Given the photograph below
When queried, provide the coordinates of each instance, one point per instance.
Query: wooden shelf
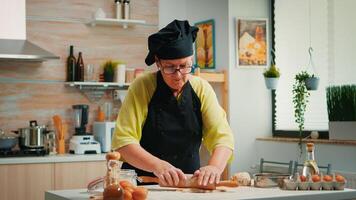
(111, 21)
(296, 140)
(213, 76)
(217, 77)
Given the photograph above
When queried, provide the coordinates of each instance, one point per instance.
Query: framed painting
(205, 45)
(251, 43)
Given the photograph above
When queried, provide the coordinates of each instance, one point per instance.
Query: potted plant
(300, 100)
(109, 70)
(341, 103)
(312, 82)
(271, 77)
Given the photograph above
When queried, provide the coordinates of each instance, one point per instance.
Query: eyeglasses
(183, 69)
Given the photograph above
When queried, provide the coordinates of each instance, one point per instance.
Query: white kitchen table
(230, 194)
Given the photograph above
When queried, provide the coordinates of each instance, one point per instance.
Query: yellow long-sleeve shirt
(134, 110)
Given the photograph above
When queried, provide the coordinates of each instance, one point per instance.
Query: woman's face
(175, 72)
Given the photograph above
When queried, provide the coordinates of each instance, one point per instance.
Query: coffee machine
(82, 142)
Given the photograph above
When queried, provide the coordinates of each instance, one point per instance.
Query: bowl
(289, 184)
(265, 180)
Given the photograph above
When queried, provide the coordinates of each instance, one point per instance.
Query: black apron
(173, 129)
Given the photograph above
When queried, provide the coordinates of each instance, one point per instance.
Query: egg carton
(315, 182)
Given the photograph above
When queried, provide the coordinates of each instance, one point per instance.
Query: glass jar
(128, 175)
(112, 188)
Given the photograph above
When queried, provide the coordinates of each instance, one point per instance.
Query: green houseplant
(109, 70)
(312, 82)
(300, 101)
(341, 103)
(272, 75)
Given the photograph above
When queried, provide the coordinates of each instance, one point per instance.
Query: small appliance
(82, 142)
(103, 132)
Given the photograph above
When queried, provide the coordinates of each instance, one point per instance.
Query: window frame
(285, 133)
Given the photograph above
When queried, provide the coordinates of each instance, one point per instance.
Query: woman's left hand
(208, 174)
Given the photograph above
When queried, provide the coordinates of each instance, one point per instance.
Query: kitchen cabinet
(25, 181)
(77, 175)
(30, 181)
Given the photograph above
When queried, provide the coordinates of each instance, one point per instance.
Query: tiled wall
(36, 91)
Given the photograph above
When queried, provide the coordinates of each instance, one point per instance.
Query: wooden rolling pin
(191, 182)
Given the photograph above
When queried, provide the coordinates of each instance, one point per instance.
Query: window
(331, 36)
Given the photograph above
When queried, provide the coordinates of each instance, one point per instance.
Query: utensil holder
(61, 146)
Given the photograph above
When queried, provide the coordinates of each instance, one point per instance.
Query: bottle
(71, 68)
(310, 165)
(80, 68)
(126, 9)
(119, 6)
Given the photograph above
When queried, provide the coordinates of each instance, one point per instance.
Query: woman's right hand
(168, 174)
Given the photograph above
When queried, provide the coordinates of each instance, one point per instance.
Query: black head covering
(172, 42)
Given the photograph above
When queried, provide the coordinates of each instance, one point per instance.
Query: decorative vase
(271, 83)
(342, 130)
(312, 83)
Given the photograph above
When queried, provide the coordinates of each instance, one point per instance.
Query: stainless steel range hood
(23, 50)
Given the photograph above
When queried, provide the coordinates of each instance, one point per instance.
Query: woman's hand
(168, 174)
(208, 174)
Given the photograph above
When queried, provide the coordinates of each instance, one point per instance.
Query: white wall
(201, 10)
(342, 35)
(334, 42)
(170, 10)
(250, 105)
(250, 101)
(12, 19)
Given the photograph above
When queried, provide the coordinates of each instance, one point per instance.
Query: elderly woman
(167, 114)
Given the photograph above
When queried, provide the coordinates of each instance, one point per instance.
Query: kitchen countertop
(231, 194)
(53, 159)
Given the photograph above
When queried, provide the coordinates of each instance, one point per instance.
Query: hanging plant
(312, 81)
(300, 101)
(272, 74)
(271, 77)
